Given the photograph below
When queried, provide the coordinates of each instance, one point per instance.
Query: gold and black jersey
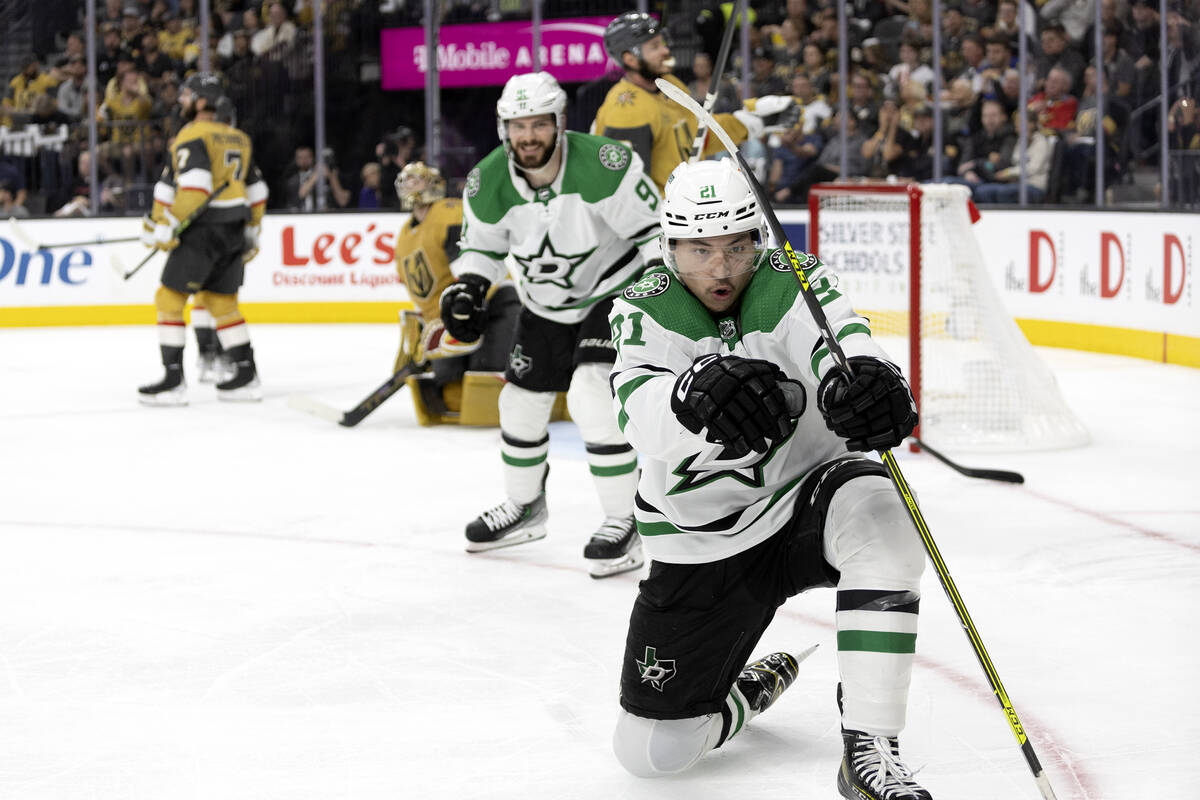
(657, 128)
(212, 158)
(424, 251)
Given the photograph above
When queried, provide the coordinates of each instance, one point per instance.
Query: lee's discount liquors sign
(488, 55)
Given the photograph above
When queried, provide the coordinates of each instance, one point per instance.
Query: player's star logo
(548, 265)
(655, 671)
(747, 474)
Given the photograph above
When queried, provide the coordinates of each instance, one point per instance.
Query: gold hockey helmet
(418, 184)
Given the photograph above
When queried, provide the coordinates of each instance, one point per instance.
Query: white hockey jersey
(573, 243)
(696, 503)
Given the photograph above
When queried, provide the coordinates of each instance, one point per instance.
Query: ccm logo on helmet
(712, 215)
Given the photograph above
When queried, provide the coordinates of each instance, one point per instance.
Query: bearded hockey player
(207, 259)
(579, 219)
(636, 112)
(751, 492)
(425, 246)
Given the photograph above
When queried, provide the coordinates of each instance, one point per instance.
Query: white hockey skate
(507, 524)
(614, 548)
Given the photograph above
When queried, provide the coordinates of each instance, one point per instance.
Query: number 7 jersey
(205, 155)
(573, 243)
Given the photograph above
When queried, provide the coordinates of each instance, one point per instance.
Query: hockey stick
(714, 84)
(175, 234)
(889, 460)
(973, 472)
(349, 419)
(19, 233)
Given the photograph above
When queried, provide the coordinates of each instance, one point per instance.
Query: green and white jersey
(696, 503)
(573, 243)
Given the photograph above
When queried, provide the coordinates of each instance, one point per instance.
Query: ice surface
(244, 601)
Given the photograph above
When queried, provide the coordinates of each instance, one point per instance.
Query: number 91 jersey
(573, 243)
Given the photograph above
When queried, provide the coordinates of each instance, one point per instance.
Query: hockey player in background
(636, 112)
(579, 219)
(427, 243)
(207, 259)
(750, 492)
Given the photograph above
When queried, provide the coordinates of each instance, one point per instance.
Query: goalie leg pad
(480, 403)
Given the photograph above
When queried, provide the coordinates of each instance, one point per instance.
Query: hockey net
(910, 261)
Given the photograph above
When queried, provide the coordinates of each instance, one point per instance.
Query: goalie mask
(419, 185)
(711, 201)
(531, 95)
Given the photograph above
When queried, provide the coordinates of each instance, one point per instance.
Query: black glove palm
(872, 411)
(463, 307)
(738, 401)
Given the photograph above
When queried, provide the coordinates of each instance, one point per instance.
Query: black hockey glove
(463, 307)
(872, 411)
(738, 401)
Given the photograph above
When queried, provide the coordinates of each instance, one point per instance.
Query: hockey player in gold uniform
(460, 385)
(209, 159)
(657, 129)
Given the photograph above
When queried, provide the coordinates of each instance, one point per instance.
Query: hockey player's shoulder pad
(446, 212)
(489, 191)
(773, 291)
(596, 165)
(664, 298)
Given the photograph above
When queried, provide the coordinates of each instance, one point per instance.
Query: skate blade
(607, 567)
(520, 537)
(250, 393)
(163, 399)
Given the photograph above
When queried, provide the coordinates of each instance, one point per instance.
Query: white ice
(243, 601)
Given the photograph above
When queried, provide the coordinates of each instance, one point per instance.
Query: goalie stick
(889, 460)
(348, 419)
(19, 234)
(714, 84)
(175, 234)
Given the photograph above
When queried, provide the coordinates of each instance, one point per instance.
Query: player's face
(716, 269)
(187, 101)
(656, 54)
(532, 139)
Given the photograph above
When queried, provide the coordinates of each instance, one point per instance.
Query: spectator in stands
(9, 207)
(960, 109)
(106, 56)
(240, 53)
(1073, 16)
(1055, 105)
(75, 47)
(988, 150)
(973, 62)
(998, 58)
(816, 67)
(828, 164)
(131, 28)
(251, 23)
(24, 88)
(125, 65)
(46, 115)
(175, 37)
(1006, 186)
(1056, 52)
(111, 13)
(909, 68)
(862, 103)
(920, 21)
(301, 183)
(1006, 23)
(763, 80)
(152, 61)
(727, 94)
(1183, 125)
(393, 153)
(917, 151)
(1079, 160)
(954, 28)
(789, 53)
(810, 108)
(72, 93)
(882, 151)
(1119, 70)
(278, 36)
(368, 195)
(1110, 18)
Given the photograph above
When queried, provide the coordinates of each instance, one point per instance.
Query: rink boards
(1114, 282)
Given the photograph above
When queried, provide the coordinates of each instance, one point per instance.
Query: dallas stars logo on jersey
(655, 671)
(548, 265)
(751, 474)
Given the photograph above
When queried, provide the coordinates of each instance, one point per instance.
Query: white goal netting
(978, 382)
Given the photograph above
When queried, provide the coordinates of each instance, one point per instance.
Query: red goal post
(910, 261)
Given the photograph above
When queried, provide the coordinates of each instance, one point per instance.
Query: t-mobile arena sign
(488, 55)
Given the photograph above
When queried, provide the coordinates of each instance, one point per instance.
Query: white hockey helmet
(709, 199)
(531, 95)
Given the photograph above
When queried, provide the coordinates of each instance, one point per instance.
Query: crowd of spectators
(145, 48)
(892, 94)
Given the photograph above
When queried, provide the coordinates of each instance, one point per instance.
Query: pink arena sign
(490, 54)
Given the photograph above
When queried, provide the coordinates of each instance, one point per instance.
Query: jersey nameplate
(649, 286)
